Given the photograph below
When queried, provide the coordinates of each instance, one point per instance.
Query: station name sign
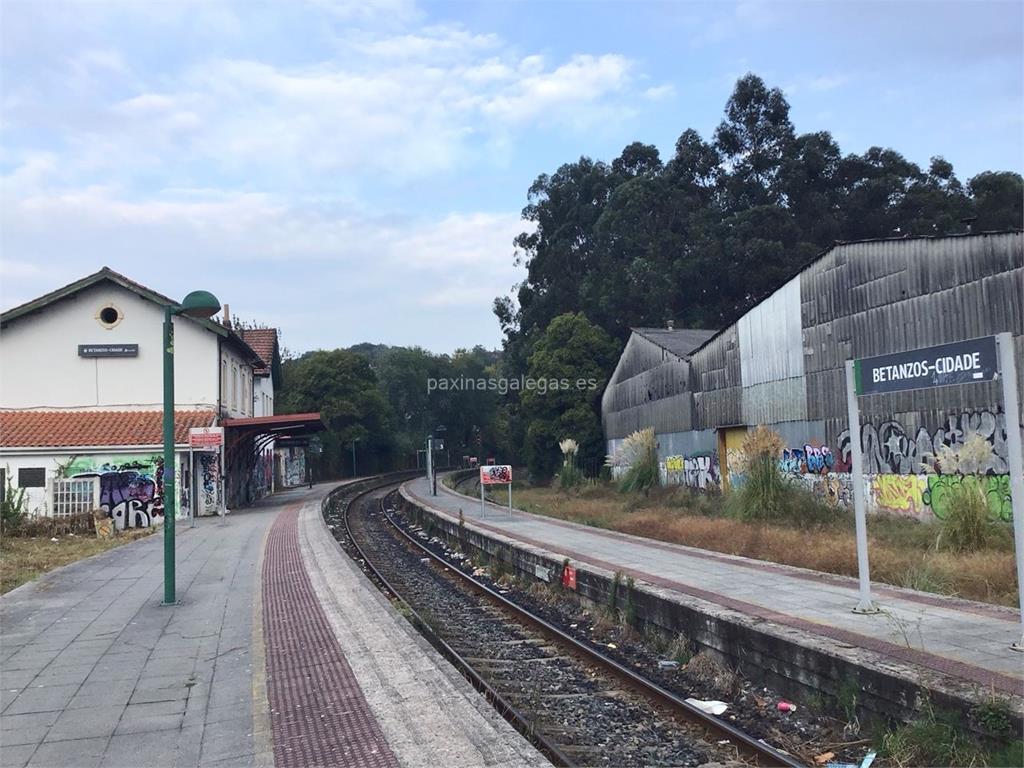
(108, 350)
(962, 362)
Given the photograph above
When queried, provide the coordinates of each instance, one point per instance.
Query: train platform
(943, 643)
(279, 653)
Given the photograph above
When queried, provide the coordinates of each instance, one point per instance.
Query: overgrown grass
(941, 738)
(903, 551)
(967, 527)
(24, 559)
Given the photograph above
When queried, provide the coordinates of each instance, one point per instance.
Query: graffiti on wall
(700, 471)
(293, 466)
(900, 494)
(209, 478)
(940, 488)
(809, 460)
(262, 473)
(834, 488)
(890, 448)
(131, 490)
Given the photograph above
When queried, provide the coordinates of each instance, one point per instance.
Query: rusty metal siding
(857, 300)
(716, 381)
(769, 336)
(865, 299)
(650, 387)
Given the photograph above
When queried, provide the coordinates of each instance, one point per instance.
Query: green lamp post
(202, 305)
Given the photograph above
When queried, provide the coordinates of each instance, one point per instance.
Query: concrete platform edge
(451, 725)
(792, 649)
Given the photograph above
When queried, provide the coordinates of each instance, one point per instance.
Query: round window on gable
(109, 316)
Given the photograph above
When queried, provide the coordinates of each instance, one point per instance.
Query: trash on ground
(668, 664)
(785, 706)
(824, 757)
(709, 707)
(869, 758)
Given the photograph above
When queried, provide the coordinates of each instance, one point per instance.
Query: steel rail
(516, 718)
(763, 753)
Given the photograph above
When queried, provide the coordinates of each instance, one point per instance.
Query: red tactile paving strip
(318, 714)
(952, 667)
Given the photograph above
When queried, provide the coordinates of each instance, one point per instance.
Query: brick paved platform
(962, 641)
(318, 713)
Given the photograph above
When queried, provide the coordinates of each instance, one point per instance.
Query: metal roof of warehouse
(678, 341)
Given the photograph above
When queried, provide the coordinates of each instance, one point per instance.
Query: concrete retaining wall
(795, 664)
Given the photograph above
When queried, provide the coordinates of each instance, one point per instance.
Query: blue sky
(353, 171)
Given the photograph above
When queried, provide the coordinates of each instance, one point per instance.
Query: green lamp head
(200, 304)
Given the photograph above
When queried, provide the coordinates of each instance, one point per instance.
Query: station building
(781, 365)
(81, 398)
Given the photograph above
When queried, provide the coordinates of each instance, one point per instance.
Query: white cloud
(659, 92)
(243, 155)
(246, 242)
(819, 84)
(394, 106)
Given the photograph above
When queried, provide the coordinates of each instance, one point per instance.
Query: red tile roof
(66, 429)
(263, 342)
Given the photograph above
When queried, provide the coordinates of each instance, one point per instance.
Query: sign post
(961, 362)
(859, 505)
(1011, 406)
(495, 474)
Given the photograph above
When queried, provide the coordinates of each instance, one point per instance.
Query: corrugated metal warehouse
(781, 365)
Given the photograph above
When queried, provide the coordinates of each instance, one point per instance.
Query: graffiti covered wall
(208, 482)
(131, 487)
(903, 475)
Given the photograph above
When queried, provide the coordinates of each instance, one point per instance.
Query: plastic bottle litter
(785, 706)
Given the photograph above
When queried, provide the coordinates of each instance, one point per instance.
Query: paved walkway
(956, 638)
(280, 653)
(96, 672)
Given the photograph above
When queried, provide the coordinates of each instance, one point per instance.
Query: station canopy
(245, 439)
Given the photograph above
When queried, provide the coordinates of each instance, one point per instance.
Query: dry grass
(23, 559)
(902, 551)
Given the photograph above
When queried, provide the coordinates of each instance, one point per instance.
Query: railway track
(578, 706)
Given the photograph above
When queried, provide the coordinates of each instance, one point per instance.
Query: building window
(234, 387)
(109, 316)
(32, 477)
(223, 383)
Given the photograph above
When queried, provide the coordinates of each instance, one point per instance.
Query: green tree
(755, 140)
(572, 358)
(343, 388)
(998, 200)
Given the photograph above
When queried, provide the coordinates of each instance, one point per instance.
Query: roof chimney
(670, 324)
(227, 316)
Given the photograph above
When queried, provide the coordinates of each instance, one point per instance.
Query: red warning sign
(569, 577)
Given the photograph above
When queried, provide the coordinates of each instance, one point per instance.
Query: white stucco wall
(236, 383)
(41, 368)
(264, 396)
